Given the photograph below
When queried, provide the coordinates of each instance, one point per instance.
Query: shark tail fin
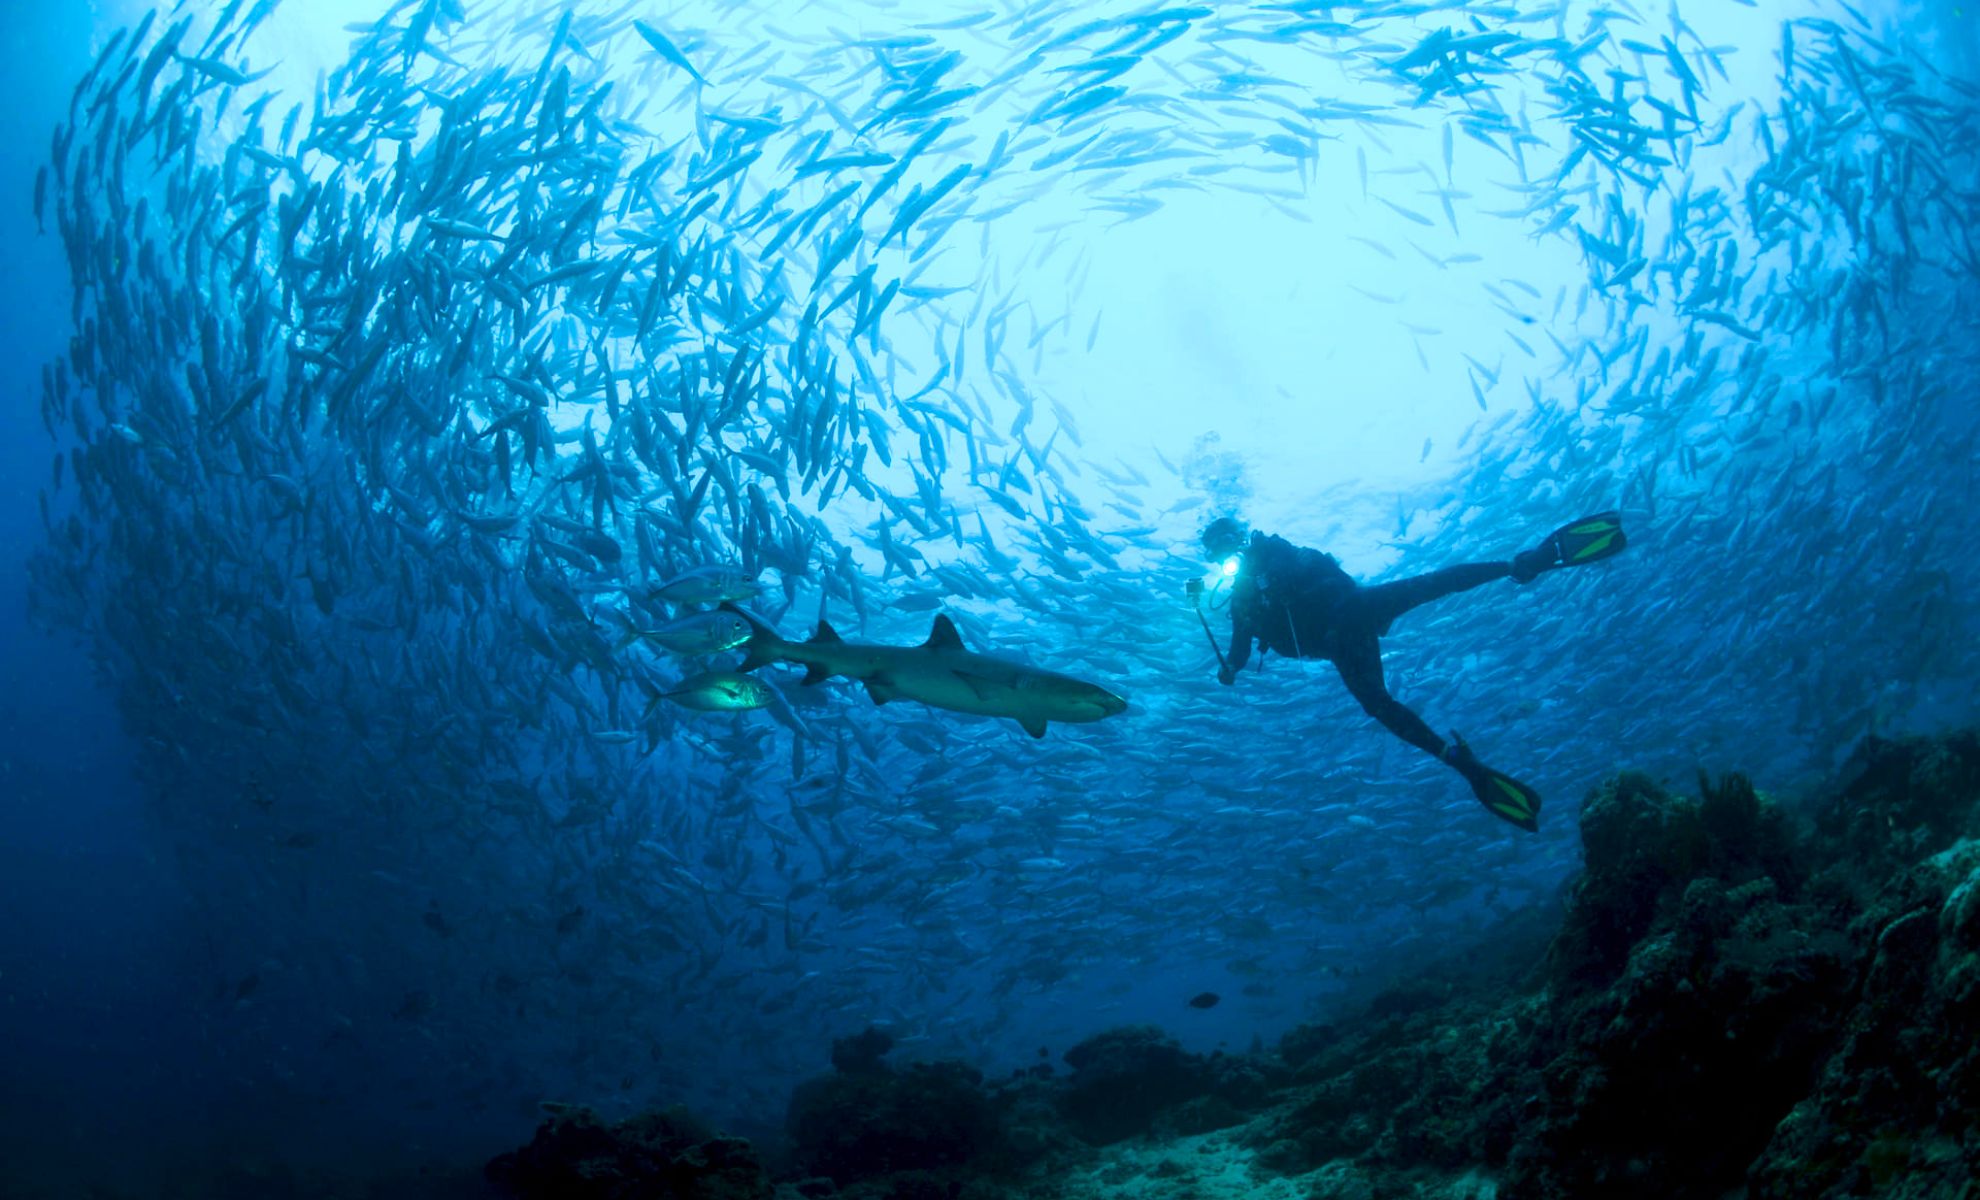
(761, 648)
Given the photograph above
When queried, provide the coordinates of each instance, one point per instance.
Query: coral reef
(863, 1053)
(1122, 1078)
(576, 1156)
(1136, 1079)
(1896, 1109)
(1728, 1003)
(861, 1124)
(1736, 1002)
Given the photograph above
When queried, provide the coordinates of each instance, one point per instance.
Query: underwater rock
(862, 1053)
(1244, 1081)
(1123, 1077)
(1641, 846)
(1896, 1110)
(1033, 1129)
(1727, 1003)
(1419, 1089)
(866, 1123)
(1902, 800)
(1733, 1005)
(1303, 1043)
(1202, 1114)
(1692, 999)
(576, 1156)
(1343, 1180)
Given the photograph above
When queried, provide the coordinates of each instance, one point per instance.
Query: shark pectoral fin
(1035, 726)
(814, 673)
(881, 689)
(981, 688)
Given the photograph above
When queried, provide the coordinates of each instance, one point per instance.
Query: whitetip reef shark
(940, 673)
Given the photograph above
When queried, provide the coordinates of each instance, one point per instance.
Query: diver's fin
(1590, 539)
(1035, 726)
(1506, 797)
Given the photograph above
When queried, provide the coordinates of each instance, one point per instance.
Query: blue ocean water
(388, 362)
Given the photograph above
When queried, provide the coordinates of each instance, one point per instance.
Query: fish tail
(628, 630)
(654, 696)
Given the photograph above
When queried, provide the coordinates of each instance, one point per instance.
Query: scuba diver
(1300, 603)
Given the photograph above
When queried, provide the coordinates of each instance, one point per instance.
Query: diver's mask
(1224, 538)
(1223, 543)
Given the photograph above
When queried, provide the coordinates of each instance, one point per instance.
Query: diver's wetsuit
(1300, 603)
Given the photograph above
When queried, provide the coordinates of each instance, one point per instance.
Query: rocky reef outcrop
(1122, 1078)
(577, 1156)
(1739, 1001)
(868, 1119)
(1733, 1001)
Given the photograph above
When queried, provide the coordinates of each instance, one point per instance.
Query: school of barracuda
(412, 428)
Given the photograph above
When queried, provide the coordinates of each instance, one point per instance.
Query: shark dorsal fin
(943, 636)
(826, 633)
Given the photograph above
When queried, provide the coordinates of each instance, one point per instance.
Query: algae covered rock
(1123, 1077)
(1693, 998)
(1302, 1044)
(1732, 1005)
(872, 1121)
(1199, 1115)
(1903, 800)
(576, 1156)
(862, 1053)
(1642, 846)
(1896, 1110)
(872, 1129)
